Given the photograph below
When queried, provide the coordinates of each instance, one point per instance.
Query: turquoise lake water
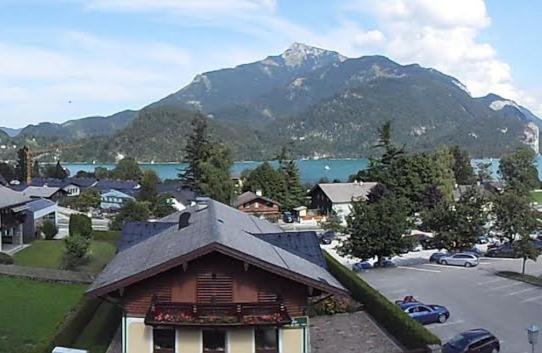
(310, 170)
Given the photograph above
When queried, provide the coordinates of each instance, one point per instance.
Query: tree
(432, 196)
(23, 164)
(7, 171)
(80, 225)
(377, 193)
(131, 211)
(76, 249)
(376, 229)
(148, 191)
(36, 173)
(463, 171)
(518, 170)
(102, 173)
(162, 206)
(267, 179)
(49, 229)
(456, 225)
(513, 216)
(89, 198)
(127, 169)
(55, 171)
(215, 179)
(525, 249)
(198, 150)
(333, 223)
(293, 194)
(483, 174)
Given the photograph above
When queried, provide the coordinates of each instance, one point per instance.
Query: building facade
(114, 200)
(220, 287)
(12, 218)
(257, 205)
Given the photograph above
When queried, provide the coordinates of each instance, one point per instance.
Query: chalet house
(127, 187)
(45, 192)
(114, 200)
(257, 205)
(216, 280)
(338, 197)
(71, 186)
(37, 212)
(12, 217)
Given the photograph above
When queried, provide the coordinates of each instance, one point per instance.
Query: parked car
(460, 259)
(326, 237)
(437, 256)
(384, 263)
(473, 341)
(287, 217)
(426, 314)
(473, 250)
(505, 250)
(360, 266)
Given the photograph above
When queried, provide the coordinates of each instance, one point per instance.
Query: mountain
(11, 132)
(80, 128)
(318, 101)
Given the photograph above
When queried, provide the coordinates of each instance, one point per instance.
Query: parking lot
(476, 297)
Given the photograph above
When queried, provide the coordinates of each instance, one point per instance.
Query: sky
(67, 59)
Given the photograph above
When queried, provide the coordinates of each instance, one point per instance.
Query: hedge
(5, 259)
(74, 323)
(410, 333)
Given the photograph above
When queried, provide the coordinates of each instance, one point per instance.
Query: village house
(114, 200)
(44, 192)
(338, 197)
(37, 212)
(216, 280)
(12, 217)
(257, 205)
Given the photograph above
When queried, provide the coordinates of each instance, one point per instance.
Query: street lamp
(532, 335)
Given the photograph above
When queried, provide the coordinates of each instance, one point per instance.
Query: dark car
(326, 237)
(384, 263)
(426, 314)
(287, 217)
(473, 341)
(435, 257)
(505, 250)
(362, 265)
(473, 250)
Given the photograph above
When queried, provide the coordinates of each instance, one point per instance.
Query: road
(476, 297)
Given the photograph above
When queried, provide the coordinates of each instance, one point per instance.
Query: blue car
(473, 341)
(426, 314)
(360, 266)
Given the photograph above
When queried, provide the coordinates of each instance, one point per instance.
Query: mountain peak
(299, 53)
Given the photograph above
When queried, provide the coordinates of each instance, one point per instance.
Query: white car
(460, 259)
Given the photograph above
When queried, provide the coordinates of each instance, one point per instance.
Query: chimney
(184, 219)
(259, 192)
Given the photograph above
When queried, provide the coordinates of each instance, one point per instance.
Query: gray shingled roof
(40, 191)
(9, 197)
(250, 196)
(211, 223)
(346, 192)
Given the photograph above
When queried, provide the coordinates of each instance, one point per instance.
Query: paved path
(46, 274)
(349, 333)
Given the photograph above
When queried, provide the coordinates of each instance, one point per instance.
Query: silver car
(460, 259)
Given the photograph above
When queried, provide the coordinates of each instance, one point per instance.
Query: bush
(80, 225)
(49, 229)
(407, 331)
(5, 259)
(76, 249)
(333, 305)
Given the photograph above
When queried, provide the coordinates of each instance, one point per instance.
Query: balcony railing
(234, 314)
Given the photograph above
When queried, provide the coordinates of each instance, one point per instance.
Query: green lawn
(49, 253)
(536, 196)
(31, 311)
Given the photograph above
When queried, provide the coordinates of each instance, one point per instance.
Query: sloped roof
(117, 193)
(40, 191)
(136, 231)
(9, 197)
(213, 226)
(40, 204)
(346, 192)
(249, 196)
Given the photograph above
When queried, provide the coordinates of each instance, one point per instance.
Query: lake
(310, 170)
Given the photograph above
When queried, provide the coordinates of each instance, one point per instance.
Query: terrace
(234, 314)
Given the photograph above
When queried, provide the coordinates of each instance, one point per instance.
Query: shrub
(407, 331)
(333, 305)
(80, 225)
(76, 249)
(49, 229)
(5, 259)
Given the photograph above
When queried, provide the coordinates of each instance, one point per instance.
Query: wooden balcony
(211, 315)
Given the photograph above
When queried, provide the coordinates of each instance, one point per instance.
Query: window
(267, 340)
(214, 341)
(163, 340)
